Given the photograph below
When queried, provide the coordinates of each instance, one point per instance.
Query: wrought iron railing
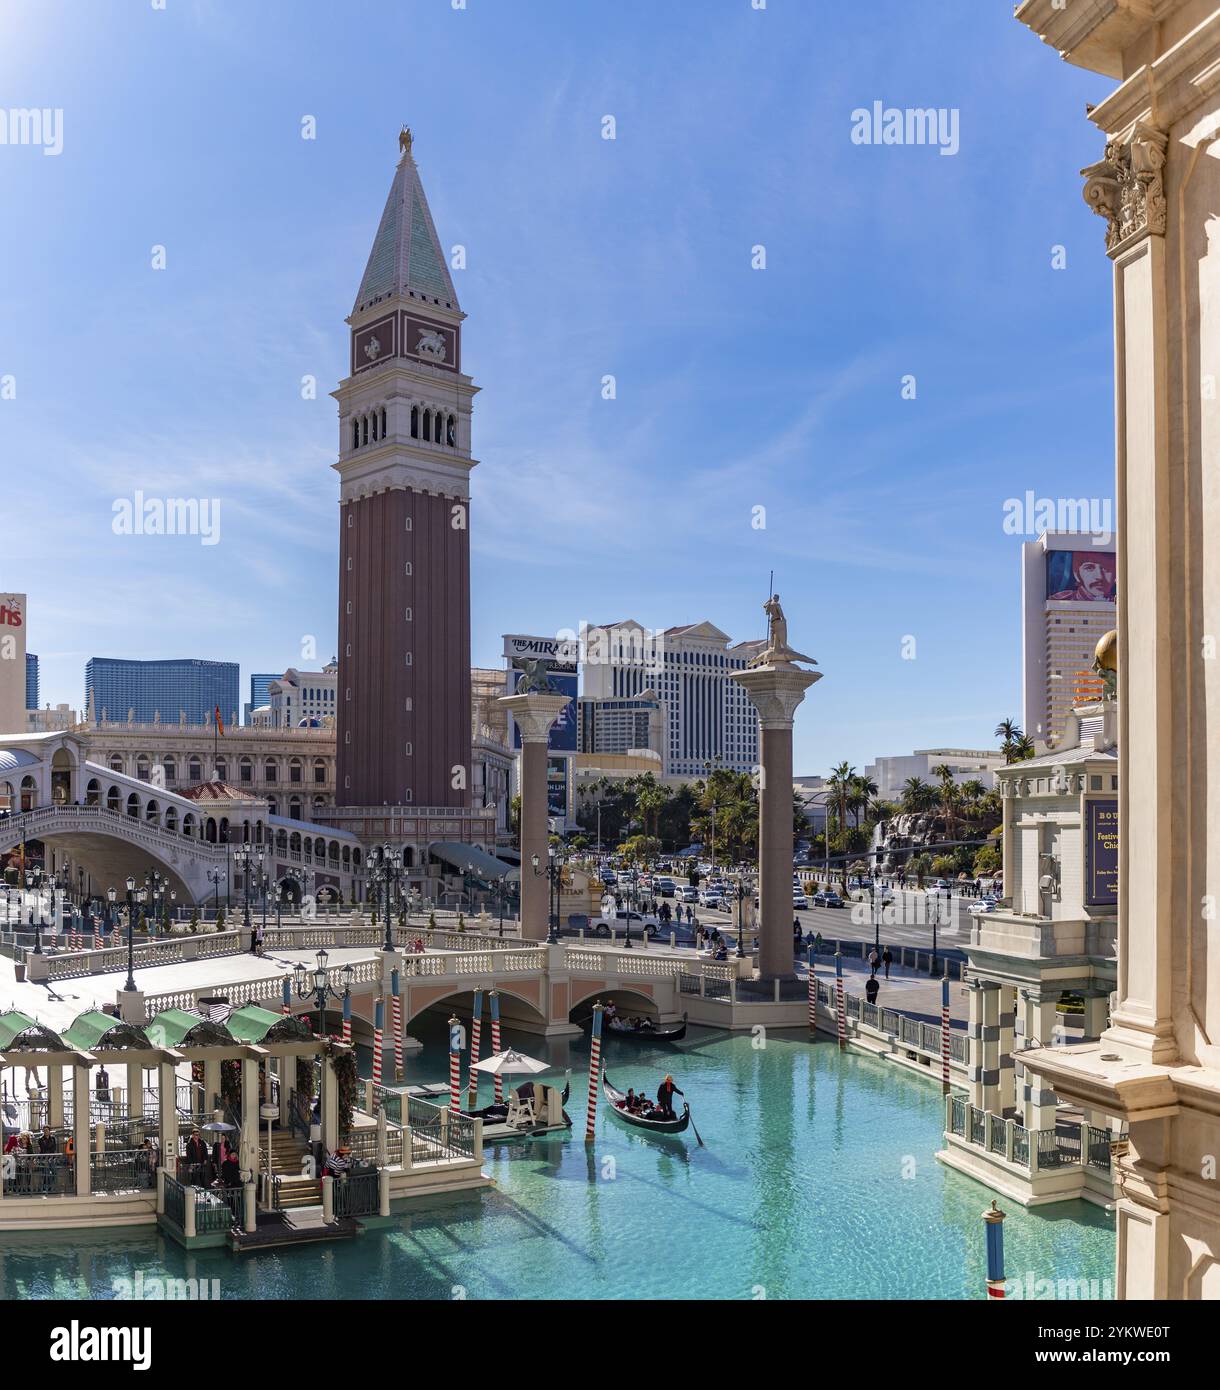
(997, 1135)
(357, 1194)
(39, 1175)
(1099, 1149)
(957, 1115)
(219, 1209)
(175, 1202)
(1020, 1144)
(123, 1170)
(437, 1133)
(978, 1126)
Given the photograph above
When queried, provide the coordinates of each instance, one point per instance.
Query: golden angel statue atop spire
(405, 140)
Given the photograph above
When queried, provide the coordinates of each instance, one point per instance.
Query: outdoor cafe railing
(1098, 1149)
(219, 1209)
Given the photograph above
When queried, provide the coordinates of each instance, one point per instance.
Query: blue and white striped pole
(993, 1222)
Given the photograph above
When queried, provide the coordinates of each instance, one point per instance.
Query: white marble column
(775, 692)
(534, 714)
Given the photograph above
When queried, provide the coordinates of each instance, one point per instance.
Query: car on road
(984, 904)
(827, 898)
(711, 897)
(688, 894)
(624, 921)
(800, 902)
(666, 887)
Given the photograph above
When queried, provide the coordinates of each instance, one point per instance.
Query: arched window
(222, 770)
(245, 770)
(334, 851)
(171, 770)
(142, 767)
(294, 843)
(273, 807)
(294, 808)
(92, 792)
(374, 427)
(188, 825)
(319, 771)
(415, 422)
(451, 432)
(112, 799)
(171, 819)
(355, 434)
(210, 836)
(364, 429)
(438, 427)
(133, 806)
(294, 770)
(428, 425)
(151, 812)
(194, 770)
(116, 763)
(258, 832)
(383, 422)
(270, 772)
(347, 856)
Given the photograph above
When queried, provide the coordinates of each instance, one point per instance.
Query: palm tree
(1023, 748)
(1008, 731)
(864, 789)
(917, 795)
(839, 783)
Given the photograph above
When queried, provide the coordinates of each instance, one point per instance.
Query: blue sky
(736, 388)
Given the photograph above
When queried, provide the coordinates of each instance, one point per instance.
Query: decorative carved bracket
(1125, 187)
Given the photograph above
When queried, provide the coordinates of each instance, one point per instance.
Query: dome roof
(12, 758)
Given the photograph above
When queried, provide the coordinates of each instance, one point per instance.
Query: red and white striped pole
(840, 1003)
(494, 1000)
(347, 1017)
(97, 934)
(944, 1033)
(396, 1022)
(595, 1071)
(455, 1065)
(378, 1024)
(476, 1025)
(813, 993)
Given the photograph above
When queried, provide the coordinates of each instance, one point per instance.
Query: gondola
(619, 1029)
(640, 1121)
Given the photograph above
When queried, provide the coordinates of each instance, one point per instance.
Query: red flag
(220, 724)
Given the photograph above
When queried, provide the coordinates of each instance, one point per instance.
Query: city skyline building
(711, 723)
(180, 690)
(31, 681)
(1068, 587)
(260, 691)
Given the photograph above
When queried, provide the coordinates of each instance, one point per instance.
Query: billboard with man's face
(1081, 576)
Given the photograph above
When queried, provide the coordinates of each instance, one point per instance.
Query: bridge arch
(631, 1000)
(517, 1009)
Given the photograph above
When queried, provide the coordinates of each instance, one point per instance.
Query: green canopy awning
(18, 1030)
(176, 1026)
(255, 1025)
(470, 860)
(96, 1029)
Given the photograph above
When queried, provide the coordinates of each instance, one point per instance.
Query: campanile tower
(403, 700)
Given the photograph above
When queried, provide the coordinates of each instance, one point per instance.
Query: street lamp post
(384, 871)
(317, 983)
(553, 872)
(130, 986)
(32, 881)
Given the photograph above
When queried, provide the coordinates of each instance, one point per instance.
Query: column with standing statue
(534, 708)
(776, 685)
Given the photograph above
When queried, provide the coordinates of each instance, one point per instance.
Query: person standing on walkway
(871, 986)
(887, 960)
(874, 960)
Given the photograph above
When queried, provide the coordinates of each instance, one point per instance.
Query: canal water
(818, 1180)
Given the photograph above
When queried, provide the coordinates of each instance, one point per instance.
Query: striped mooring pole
(347, 1017)
(378, 1025)
(476, 1025)
(286, 1000)
(993, 1224)
(840, 1004)
(944, 1033)
(595, 1071)
(494, 1000)
(813, 994)
(396, 1022)
(455, 1064)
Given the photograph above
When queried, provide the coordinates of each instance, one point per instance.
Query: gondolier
(665, 1097)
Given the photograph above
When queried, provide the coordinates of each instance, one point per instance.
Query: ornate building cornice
(1125, 187)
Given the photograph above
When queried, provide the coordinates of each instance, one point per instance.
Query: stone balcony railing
(1008, 933)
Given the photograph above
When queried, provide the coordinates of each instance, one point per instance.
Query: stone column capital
(534, 713)
(1125, 187)
(776, 691)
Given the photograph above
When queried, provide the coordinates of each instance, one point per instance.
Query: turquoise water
(818, 1181)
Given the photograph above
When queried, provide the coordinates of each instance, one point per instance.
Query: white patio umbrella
(511, 1063)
